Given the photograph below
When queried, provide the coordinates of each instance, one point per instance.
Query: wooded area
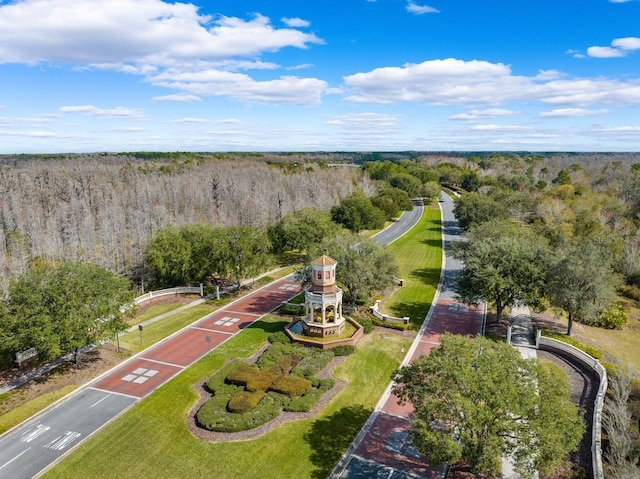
(103, 208)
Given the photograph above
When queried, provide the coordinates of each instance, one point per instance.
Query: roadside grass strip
(419, 257)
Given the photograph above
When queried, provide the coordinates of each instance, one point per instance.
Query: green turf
(419, 257)
(152, 440)
(155, 332)
(154, 311)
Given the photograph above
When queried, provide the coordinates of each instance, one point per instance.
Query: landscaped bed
(283, 379)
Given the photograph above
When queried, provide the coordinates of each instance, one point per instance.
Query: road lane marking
(61, 442)
(162, 362)
(99, 401)
(31, 434)
(243, 313)
(228, 333)
(137, 398)
(11, 460)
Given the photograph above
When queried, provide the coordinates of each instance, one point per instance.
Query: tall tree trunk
(499, 308)
(570, 325)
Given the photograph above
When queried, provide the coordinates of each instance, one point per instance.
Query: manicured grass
(155, 332)
(154, 311)
(419, 257)
(25, 411)
(152, 439)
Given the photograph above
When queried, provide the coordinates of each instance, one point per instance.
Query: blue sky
(366, 75)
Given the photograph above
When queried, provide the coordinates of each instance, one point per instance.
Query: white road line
(166, 364)
(137, 398)
(99, 401)
(32, 434)
(11, 460)
(242, 312)
(214, 331)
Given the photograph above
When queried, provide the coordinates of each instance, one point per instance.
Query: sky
(309, 75)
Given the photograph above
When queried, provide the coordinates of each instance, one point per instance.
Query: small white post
(201, 290)
(509, 334)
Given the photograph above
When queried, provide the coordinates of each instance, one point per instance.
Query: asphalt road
(403, 224)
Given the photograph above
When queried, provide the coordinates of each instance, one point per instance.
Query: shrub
(614, 317)
(631, 291)
(343, 350)
(387, 324)
(291, 386)
(213, 417)
(366, 324)
(590, 350)
(244, 401)
(277, 351)
(252, 379)
(313, 363)
(284, 366)
(279, 337)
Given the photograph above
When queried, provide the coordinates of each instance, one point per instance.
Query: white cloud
(118, 112)
(29, 134)
(454, 82)
(482, 114)
(571, 113)
(620, 47)
(133, 31)
(241, 87)
(296, 22)
(627, 43)
(576, 53)
(152, 38)
(178, 98)
(605, 52)
(420, 9)
(365, 121)
(498, 128)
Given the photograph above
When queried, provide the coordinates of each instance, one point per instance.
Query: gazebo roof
(323, 260)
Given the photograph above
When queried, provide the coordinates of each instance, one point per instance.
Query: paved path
(383, 448)
(37, 444)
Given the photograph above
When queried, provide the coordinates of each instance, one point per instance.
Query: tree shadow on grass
(269, 326)
(330, 437)
(419, 307)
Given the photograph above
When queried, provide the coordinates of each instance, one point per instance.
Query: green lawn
(152, 440)
(155, 332)
(419, 257)
(154, 311)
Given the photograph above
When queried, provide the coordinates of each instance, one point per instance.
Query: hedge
(244, 401)
(291, 386)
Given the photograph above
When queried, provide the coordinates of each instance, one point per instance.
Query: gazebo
(323, 300)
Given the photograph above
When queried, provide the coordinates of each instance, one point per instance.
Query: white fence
(596, 446)
(375, 309)
(165, 292)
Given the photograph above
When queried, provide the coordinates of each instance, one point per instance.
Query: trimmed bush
(343, 350)
(367, 324)
(279, 337)
(291, 386)
(251, 378)
(284, 366)
(313, 363)
(244, 401)
(387, 324)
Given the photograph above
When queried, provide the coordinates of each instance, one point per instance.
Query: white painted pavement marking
(226, 321)
(61, 442)
(137, 398)
(165, 363)
(11, 460)
(213, 331)
(31, 434)
(140, 375)
(288, 287)
(99, 401)
(245, 314)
